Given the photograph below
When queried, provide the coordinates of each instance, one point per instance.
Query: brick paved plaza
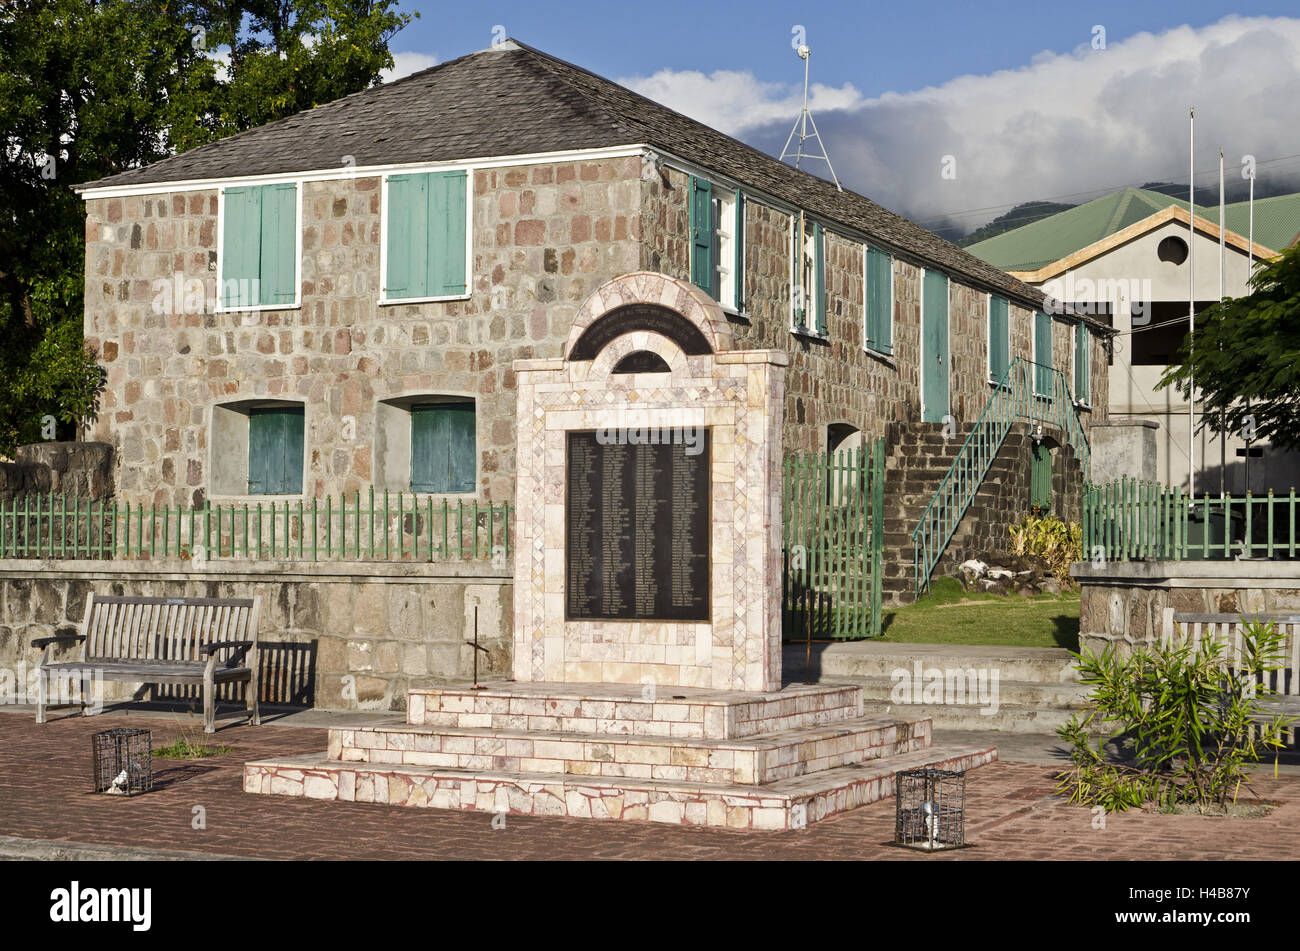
(1012, 814)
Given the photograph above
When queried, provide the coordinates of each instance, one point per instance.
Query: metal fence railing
(1130, 519)
(387, 527)
(832, 536)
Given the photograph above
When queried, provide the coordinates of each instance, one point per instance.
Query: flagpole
(1223, 439)
(1250, 266)
(1191, 303)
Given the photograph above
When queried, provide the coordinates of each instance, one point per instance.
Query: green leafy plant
(1194, 720)
(1057, 542)
(186, 747)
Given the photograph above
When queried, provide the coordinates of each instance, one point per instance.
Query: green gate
(832, 538)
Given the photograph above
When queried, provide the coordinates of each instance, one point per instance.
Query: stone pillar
(1123, 447)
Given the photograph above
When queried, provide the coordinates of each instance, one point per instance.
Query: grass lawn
(949, 615)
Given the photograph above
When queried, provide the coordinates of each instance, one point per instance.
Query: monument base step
(788, 803)
(679, 712)
(754, 759)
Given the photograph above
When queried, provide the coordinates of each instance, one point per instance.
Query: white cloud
(733, 101)
(406, 63)
(1064, 124)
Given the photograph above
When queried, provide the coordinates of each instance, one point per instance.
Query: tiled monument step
(680, 712)
(755, 759)
(785, 804)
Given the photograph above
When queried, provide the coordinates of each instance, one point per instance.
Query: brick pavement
(44, 794)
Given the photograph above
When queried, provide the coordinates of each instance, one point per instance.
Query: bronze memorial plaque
(637, 525)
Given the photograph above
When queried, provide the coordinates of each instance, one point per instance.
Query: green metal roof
(1038, 244)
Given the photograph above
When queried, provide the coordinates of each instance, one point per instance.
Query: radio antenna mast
(800, 129)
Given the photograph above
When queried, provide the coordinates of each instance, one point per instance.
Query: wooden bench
(1227, 628)
(199, 641)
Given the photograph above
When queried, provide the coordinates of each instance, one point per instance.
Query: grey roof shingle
(512, 99)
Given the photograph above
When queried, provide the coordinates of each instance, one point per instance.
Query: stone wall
(544, 237)
(387, 626)
(81, 470)
(836, 380)
(1123, 602)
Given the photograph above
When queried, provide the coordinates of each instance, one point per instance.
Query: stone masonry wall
(545, 236)
(387, 627)
(1123, 603)
(837, 380)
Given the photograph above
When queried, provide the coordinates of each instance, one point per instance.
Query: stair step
(762, 759)
(786, 804)
(619, 709)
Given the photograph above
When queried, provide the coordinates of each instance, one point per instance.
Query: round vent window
(1172, 249)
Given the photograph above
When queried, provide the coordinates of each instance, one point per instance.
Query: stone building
(334, 301)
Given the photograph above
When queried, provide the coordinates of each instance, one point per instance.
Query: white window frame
(384, 299)
(803, 253)
(722, 205)
(297, 249)
(866, 346)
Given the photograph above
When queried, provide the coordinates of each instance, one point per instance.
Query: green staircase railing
(1027, 391)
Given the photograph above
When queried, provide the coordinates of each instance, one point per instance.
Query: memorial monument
(647, 628)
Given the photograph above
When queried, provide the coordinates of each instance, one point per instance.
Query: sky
(949, 113)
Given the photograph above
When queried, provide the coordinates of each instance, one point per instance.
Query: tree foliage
(1248, 349)
(90, 88)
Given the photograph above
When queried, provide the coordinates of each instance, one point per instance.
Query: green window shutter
(279, 242)
(999, 342)
(739, 242)
(446, 224)
(819, 278)
(1042, 354)
(1040, 479)
(701, 212)
(1082, 359)
(880, 274)
(443, 453)
(275, 451)
(241, 239)
(407, 270)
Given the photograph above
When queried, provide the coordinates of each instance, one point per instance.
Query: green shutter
(407, 266)
(1082, 359)
(819, 278)
(279, 243)
(1042, 354)
(879, 325)
(701, 212)
(739, 242)
(241, 228)
(999, 342)
(426, 235)
(275, 451)
(446, 222)
(1040, 479)
(443, 453)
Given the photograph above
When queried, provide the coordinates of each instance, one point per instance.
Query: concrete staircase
(1017, 689)
(918, 457)
(774, 760)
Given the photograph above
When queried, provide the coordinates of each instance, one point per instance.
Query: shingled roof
(512, 99)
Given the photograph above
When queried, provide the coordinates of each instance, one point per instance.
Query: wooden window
(275, 450)
(259, 246)
(443, 454)
(878, 330)
(999, 339)
(425, 249)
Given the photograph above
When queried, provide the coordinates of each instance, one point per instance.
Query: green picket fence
(1131, 519)
(832, 536)
(387, 527)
